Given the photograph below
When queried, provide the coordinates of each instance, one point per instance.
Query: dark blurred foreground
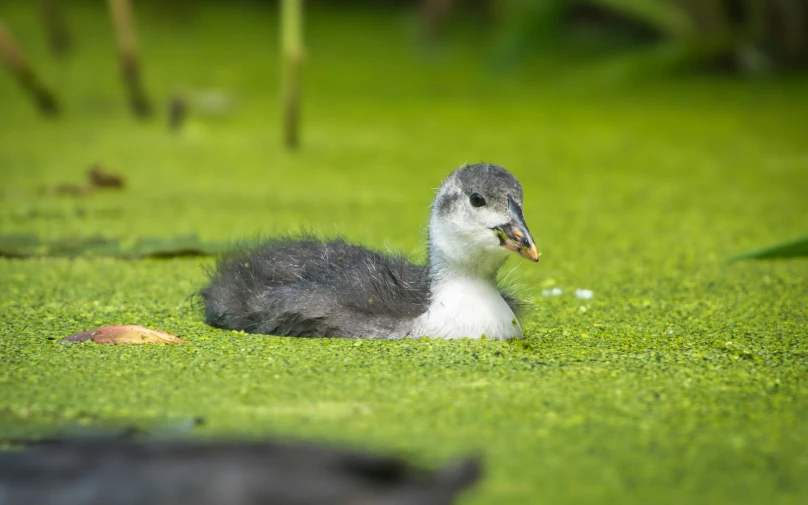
(112, 471)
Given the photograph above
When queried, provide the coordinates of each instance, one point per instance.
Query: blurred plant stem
(124, 26)
(17, 63)
(53, 18)
(434, 14)
(292, 60)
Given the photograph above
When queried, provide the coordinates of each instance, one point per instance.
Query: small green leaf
(791, 249)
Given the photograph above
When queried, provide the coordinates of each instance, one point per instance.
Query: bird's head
(477, 218)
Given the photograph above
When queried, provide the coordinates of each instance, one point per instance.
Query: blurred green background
(651, 148)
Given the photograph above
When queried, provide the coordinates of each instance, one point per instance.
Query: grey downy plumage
(112, 471)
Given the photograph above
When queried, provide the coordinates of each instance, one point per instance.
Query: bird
(181, 471)
(306, 286)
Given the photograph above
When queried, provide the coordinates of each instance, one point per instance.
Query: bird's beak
(514, 234)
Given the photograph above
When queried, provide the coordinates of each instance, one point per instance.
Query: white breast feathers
(465, 307)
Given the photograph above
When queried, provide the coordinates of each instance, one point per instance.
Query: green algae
(683, 380)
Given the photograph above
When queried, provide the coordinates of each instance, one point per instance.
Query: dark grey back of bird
(113, 472)
(308, 287)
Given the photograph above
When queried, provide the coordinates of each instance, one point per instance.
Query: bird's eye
(477, 200)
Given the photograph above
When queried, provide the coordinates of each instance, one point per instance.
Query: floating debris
(31, 246)
(584, 294)
(100, 177)
(551, 292)
(126, 334)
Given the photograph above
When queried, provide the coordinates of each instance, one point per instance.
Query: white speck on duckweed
(584, 294)
(551, 292)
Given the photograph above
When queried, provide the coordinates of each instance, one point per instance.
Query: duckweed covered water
(682, 380)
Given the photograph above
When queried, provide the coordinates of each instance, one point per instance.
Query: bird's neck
(451, 257)
(464, 300)
(443, 267)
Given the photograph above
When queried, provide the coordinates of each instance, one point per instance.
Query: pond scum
(682, 379)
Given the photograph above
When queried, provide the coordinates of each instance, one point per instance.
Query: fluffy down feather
(309, 287)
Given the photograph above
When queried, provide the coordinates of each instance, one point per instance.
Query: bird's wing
(311, 287)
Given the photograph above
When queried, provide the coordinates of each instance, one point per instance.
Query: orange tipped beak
(532, 253)
(514, 235)
(518, 241)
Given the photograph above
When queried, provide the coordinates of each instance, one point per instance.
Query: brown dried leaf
(125, 334)
(100, 177)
